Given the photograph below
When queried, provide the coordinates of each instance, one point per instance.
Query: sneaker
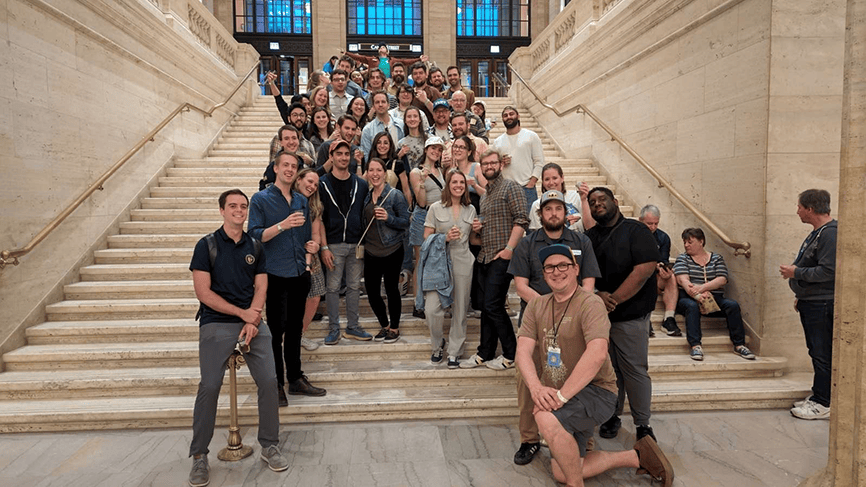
(802, 401)
(308, 344)
(419, 313)
(392, 336)
(282, 400)
(275, 460)
(333, 337)
(653, 461)
(473, 313)
(448, 315)
(811, 410)
(357, 334)
(652, 333)
(318, 317)
(510, 312)
(381, 335)
(610, 428)
(472, 362)
(642, 431)
(697, 353)
(453, 363)
(403, 284)
(302, 387)
(526, 453)
(671, 328)
(743, 351)
(436, 358)
(199, 476)
(500, 363)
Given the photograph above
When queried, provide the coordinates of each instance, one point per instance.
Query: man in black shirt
(627, 255)
(665, 281)
(231, 286)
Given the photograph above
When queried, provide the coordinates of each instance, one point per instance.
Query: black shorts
(583, 412)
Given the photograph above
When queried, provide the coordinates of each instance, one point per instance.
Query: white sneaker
(473, 313)
(403, 283)
(471, 362)
(811, 410)
(802, 401)
(500, 363)
(308, 344)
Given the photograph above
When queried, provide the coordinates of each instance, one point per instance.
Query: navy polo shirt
(232, 276)
(525, 263)
(618, 250)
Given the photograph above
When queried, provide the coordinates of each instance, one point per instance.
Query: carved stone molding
(541, 54)
(225, 50)
(564, 32)
(199, 26)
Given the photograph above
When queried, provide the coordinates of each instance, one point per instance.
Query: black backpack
(212, 250)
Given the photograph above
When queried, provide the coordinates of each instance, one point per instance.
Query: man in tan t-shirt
(576, 389)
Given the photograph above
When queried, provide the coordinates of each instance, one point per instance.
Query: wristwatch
(279, 228)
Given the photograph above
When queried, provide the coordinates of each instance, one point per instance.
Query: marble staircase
(120, 351)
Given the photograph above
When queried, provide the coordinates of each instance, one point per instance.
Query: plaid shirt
(502, 207)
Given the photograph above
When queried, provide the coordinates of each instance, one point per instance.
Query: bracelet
(324, 247)
(561, 398)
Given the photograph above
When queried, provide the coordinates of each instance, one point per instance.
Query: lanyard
(553, 318)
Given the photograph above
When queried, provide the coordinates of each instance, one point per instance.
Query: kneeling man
(577, 389)
(228, 274)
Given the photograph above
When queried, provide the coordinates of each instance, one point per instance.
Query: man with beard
(398, 77)
(568, 332)
(346, 128)
(425, 94)
(523, 156)
(503, 209)
(441, 117)
(459, 128)
(288, 139)
(529, 280)
(627, 255)
(453, 73)
(279, 218)
(296, 116)
(476, 125)
(436, 79)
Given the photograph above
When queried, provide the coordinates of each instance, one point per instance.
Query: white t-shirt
(527, 155)
(572, 204)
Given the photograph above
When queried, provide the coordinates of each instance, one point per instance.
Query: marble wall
(81, 83)
(736, 103)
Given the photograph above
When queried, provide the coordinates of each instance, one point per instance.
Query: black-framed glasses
(548, 269)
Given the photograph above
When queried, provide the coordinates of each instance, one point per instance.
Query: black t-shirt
(342, 193)
(233, 274)
(618, 250)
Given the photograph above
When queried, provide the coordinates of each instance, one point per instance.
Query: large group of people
(400, 184)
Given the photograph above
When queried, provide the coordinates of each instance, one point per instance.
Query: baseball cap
(338, 143)
(433, 141)
(575, 255)
(441, 103)
(551, 195)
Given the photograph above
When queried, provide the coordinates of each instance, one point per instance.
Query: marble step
(246, 162)
(215, 172)
(210, 212)
(134, 272)
(176, 411)
(143, 256)
(203, 203)
(150, 240)
(250, 188)
(414, 349)
(215, 181)
(174, 227)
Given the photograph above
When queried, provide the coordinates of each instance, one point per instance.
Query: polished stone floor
(742, 449)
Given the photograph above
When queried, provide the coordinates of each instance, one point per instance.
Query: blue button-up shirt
(285, 255)
(375, 126)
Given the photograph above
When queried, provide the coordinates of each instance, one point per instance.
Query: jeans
(375, 270)
(730, 309)
(215, 345)
(817, 320)
(531, 196)
(495, 322)
(344, 263)
(286, 299)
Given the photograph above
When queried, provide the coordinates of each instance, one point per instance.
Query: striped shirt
(715, 267)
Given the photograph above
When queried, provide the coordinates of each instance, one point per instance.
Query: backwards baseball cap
(435, 140)
(551, 195)
(575, 255)
(338, 143)
(441, 103)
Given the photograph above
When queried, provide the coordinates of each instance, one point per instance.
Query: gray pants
(629, 347)
(344, 261)
(436, 316)
(215, 345)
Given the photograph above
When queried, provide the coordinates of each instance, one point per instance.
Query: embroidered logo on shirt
(250, 259)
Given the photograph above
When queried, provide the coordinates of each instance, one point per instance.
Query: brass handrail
(740, 248)
(11, 256)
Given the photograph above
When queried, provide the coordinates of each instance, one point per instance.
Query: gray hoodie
(815, 276)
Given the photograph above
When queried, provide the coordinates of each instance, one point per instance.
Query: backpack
(212, 250)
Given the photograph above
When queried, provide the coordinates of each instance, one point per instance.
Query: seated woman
(702, 274)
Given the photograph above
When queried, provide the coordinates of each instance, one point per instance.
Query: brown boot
(653, 461)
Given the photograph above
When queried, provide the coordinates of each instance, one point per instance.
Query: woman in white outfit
(452, 215)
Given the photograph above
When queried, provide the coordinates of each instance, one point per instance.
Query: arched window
(493, 18)
(384, 17)
(273, 16)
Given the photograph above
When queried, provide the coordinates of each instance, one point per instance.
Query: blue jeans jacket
(433, 271)
(391, 230)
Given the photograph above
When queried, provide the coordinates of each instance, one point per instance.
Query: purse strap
(373, 219)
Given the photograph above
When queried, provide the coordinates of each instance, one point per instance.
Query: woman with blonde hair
(307, 183)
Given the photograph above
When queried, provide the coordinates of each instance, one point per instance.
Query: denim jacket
(433, 271)
(391, 230)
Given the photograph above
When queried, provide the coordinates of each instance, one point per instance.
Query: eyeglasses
(490, 163)
(548, 269)
(461, 147)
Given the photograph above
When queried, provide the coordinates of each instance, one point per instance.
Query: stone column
(846, 463)
(329, 30)
(440, 32)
